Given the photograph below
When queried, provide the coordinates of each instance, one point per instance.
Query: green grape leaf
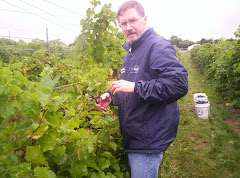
(79, 169)
(30, 109)
(113, 145)
(74, 135)
(44, 172)
(2, 89)
(59, 150)
(22, 170)
(23, 126)
(115, 166)
(52, 118)
(98, 175)
(43, 98)
(5, 71)
(70, 111)
(34, 126)
(47, 82)
(3, 171)
(35, 155)
(94, 175)
(73, 125)
(47, 142)
(7, 110)
(83, 133)
(13, 159)
(119, 174)
(19, 76)
(91, 162)
(110, 175)
(104, 163)
(15, 90)
(106, 154)
(90, 147)
(61, 160)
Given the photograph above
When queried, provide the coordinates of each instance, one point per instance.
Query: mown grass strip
(203, 147)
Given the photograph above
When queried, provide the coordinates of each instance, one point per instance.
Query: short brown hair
(131, 4)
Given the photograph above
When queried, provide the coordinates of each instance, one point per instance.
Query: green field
(203, 147)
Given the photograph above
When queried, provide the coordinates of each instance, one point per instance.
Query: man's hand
(122, 86)
(104, 101)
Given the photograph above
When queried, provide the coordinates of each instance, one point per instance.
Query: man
(152, 80)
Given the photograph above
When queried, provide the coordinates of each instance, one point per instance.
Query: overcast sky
(188, 19)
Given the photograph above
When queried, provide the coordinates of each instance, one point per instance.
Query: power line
(19, 49)
(41, 17)
(40, 9)
(17, 37)
(63, 8)
(33, 14)
(21, 12)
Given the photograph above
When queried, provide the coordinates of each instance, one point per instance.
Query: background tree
(174, 40)
(179, 42)
(204, 40)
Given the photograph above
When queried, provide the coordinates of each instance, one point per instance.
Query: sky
(187, 19)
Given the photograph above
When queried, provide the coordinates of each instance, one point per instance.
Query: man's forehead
(128, 14)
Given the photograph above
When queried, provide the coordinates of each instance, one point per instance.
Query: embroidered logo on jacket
(130, 69)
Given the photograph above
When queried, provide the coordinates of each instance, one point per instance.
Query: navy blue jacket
(149, 117)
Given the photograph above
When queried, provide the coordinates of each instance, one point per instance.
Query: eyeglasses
(130, 22)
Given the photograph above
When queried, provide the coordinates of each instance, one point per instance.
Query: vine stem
(40, 121)
(68, 157)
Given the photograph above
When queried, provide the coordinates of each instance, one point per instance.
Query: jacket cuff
(114, 98)
(137, 85)
(110, 93)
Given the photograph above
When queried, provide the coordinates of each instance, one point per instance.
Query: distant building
(192, 46)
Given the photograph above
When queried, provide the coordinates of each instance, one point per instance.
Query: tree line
(180, 43)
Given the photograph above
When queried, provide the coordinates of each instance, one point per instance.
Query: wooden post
(47, 44)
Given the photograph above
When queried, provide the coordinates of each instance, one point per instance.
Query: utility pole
(47, 45)
(9, 34)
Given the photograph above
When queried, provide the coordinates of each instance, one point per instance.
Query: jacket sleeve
(114, 98)
(169, 81)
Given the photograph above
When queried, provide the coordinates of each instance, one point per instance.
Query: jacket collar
(139, 41)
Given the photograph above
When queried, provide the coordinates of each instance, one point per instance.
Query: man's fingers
(122, 86)
(105, 96)
(113, 88)
(101, 107)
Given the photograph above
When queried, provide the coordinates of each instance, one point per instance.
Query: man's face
(133, 25)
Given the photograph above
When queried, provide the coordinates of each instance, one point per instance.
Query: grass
(203, 147)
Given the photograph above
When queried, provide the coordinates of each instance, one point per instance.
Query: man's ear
(145, 19)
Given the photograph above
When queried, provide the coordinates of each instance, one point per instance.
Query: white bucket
(200, 97)
(197, 94)
(202, 110)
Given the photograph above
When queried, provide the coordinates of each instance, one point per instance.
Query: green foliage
(203, 40)
(49, 124)
(30, 58)
(52, 131)
(100, 40)
(221, 63)
(177, 51)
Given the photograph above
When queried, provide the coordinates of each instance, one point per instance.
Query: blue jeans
(144, 165)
